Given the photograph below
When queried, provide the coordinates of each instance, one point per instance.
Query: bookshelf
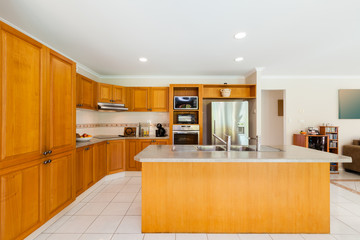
(333, 133)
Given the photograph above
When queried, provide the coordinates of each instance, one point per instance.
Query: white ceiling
(195, 37)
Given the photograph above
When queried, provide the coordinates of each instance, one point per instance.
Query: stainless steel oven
(186, 134)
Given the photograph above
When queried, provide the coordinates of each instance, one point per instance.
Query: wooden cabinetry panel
(62, 103)
(79, 171)
(85, 92)
(132, 148)
(100, 160)
(20, 205)
(162, 142)
(59, 182)
(105, 92)
(159, 99)
(116, 156)
(22, 97)
(118, 94)
(88, 167)
(140, 99)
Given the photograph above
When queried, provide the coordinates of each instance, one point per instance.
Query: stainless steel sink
(210, 148)
(241, 148)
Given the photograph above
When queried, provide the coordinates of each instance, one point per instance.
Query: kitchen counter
(102, 138)
(188, 153)
(271, 191)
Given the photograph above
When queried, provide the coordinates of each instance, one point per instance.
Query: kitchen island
(190, 191)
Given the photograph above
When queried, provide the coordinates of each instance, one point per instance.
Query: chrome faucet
(257, 138)
(227, 142)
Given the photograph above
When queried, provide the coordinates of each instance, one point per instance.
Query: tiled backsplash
(96, 125)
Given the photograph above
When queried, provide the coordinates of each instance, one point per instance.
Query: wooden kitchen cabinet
(115, 156)
(132, 149)
(20, 201)
(62, 80)
(59, 182)
(140, 99)
(85, 92)
(159, 99)
(100, 158)
(84, 168)
(108, 93)
(23, 97)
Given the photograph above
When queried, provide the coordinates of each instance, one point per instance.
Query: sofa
(354, 152)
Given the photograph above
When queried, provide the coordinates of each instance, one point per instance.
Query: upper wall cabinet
(111, 93)
(85, 92)
(23, 96)
(147, 99)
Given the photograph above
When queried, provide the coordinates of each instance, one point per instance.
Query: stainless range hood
(111, 107)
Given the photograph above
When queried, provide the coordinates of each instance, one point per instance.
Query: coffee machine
(160, 132)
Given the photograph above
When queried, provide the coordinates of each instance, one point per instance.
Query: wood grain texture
(85, 92)
(100, 161)
(140, 99)
(237, 90)
(132, 148)
(79, 171)
(62, 77)
(115, 156)
(88, 166)
(20, 205)
(159, 99)
(22, 76)
(236, 197)
(104, 92)
(118, 94)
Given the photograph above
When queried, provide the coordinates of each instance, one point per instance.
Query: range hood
(111, 107)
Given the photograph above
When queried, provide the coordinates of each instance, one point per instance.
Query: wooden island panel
(235, 197)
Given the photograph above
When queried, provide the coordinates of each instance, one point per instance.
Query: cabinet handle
(107, 143)
(47, 161)
(49, 152)
(87, 149)
(45, 153)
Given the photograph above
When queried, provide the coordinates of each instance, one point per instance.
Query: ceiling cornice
(225, 77)
(274, 77)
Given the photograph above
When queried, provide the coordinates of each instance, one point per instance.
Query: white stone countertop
(189, 153)
(102, 138)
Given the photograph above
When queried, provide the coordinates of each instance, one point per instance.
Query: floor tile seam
(346, 188)
(91, 223)
(358, 232)
(59, 226)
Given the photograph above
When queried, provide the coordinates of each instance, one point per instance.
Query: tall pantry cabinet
(37, 134)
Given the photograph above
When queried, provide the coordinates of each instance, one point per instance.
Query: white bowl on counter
(85, 139)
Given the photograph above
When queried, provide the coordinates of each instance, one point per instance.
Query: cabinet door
(132, 148)
(88, 167)
(159, 99)
(100, 160)
(86, 92)
(118, 94)
(20, 202)
(22, 98)
(105, 92)
(62, 77)
(58, 179)
(79, 171)
(116, 156)
(162, 142)
(78, 91)
(140, 99)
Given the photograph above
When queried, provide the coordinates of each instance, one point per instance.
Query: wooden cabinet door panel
(100, 160)
(132, 148)
(79, 171)
(59, 182)
(22, 97)
(118, 94)
(87, 86)
(105, 92)
(20, 202)
(140, 99)
(162, 142)
(144, 144)
(159, 99)
(88, 167)
(79, 92)
(62, 104)
(116, 156)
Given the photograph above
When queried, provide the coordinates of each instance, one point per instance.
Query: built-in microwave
(186, 102)
(188, 118)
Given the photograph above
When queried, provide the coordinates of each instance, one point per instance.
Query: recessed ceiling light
(238, 59)
(142, 59)
(240, 35)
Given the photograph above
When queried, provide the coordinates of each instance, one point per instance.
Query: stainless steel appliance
(186, 134)
(189, 118)
(111, 107)
(186, 102)
(230, 118)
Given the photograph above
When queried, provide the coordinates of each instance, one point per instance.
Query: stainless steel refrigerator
(230, 118)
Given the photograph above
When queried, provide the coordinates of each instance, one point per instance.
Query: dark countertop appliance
(161, 131)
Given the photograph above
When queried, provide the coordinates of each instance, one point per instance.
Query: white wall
(313, 101)
(272, 125)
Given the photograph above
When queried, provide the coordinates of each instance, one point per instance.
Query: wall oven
(186, 134)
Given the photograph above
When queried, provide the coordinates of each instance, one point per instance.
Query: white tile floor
(112, 211)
